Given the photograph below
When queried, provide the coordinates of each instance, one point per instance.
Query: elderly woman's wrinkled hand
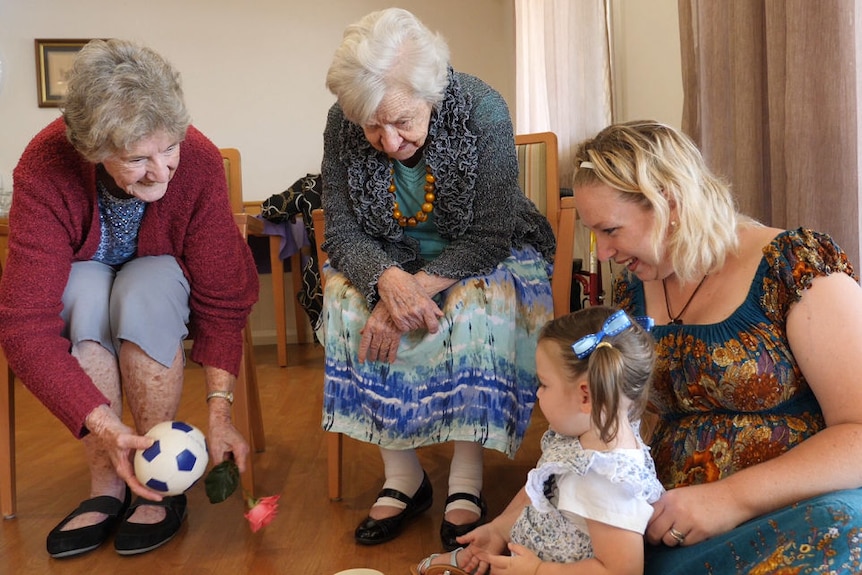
(410, 307)
(380, 337)
(225, 442)
(120, 442)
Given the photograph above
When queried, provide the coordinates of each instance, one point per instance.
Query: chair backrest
(319, 224)
(538, 172)
(233, 173)
(539, 179)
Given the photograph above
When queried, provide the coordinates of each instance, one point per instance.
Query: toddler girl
(589, 498)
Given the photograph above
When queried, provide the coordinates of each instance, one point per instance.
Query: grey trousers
(144, 301)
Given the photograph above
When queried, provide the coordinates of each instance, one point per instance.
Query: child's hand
(487, 537)
(458, 558)
(469, 560)
(522, 561)
(481, 542)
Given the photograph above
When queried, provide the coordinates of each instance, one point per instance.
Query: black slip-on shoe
(374, 531)
(135, 538)
(449, 532)
(73, 542)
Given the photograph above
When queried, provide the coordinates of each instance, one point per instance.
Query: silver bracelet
(228, 395)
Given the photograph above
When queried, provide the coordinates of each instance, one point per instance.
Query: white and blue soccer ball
(175, 461)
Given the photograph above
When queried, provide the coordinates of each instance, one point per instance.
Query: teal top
(410, 195)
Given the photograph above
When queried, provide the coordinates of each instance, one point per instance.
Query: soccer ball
(176, 460)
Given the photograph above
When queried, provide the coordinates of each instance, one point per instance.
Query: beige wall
(254, 71)
(647, 69)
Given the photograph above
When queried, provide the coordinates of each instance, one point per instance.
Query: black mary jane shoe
(375, 531)
(73, 542)
(135, 538)
(449, 532)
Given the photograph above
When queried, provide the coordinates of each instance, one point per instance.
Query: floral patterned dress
(730, 395)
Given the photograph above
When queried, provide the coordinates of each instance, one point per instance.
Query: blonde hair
(118, 94)
(658, 168)
(623, 368)
(387, 50)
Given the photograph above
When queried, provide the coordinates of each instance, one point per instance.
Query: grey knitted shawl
(480, 209)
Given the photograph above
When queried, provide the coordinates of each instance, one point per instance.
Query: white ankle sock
(403, 473)
(465, 475)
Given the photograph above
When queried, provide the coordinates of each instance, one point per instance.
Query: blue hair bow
(615, 324)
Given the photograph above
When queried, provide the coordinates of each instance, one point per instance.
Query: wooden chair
(233, 172)
(538, 160)
(538, 178)
(334, 441)
(246, 408)
(8, 503)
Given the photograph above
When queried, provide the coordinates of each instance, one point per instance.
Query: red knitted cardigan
(54, 221)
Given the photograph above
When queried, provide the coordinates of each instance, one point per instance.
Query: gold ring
(680, 537)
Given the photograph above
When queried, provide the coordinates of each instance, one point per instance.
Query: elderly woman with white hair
(437, 283)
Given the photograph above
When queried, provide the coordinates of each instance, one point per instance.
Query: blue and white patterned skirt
(474, 380)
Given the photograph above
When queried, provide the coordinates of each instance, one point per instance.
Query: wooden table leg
(278, 298)
(299, 312)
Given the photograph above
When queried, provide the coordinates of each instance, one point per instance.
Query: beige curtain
(772, 96)
(563, 72)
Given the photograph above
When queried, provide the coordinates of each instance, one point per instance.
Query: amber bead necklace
(427, 206)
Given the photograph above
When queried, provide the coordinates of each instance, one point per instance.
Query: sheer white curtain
(564, 82)
(563, 72)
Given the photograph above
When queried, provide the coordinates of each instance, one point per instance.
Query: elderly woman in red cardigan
(118, 251)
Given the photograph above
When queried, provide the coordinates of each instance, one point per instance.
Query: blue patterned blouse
(121, 221)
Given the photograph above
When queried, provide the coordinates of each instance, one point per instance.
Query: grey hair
(387, 50)
(657, 167)
(118, 94)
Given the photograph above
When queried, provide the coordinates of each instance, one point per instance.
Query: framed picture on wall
(53, 62)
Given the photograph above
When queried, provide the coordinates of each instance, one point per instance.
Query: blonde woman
(758, 435)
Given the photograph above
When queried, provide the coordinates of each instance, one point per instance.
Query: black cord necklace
(677, 319)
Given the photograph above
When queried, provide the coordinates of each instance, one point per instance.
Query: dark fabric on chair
(301, 197)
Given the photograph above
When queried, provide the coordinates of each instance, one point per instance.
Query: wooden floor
(310, 536)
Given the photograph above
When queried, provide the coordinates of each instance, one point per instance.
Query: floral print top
(730, 395)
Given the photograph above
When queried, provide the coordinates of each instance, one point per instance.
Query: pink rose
(261, 512)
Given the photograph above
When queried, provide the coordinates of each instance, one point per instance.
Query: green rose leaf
(222, 481)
